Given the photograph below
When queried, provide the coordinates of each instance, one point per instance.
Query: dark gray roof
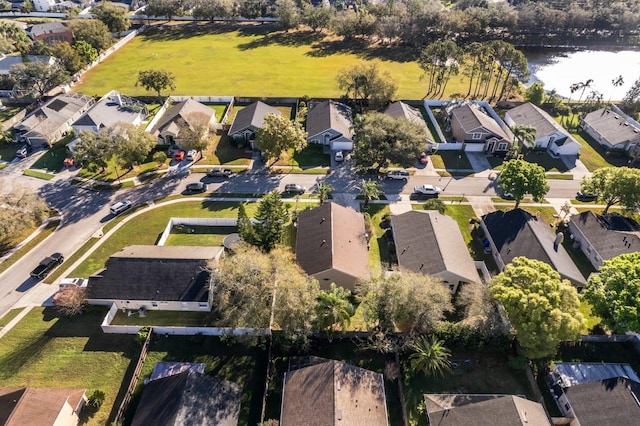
(428, 242)
(400, 109)
(112, 109)
(189, 398)
(327, 115)
(517, 233)
(181, 114)
(179, 274)
(470, 117)
(612, 126)
(54, 114)
(333, 393)
(610, 235)
(6, 62)
(476, 410)
(166, 369)
(576, 373)
(332, 237)
(48, 27)
(610, 402)
(251, 116)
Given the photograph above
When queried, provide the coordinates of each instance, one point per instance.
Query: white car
(339, 156)
(427, 190)
(193, 155)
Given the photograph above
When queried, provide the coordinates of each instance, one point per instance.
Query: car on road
(294, 188)
(586, 196)
(196, 187)
(219, 172)
(398, 175)
(24, 151)
(120, 207)
(423, 158)
(179, 155)
(427, 189)
(339, 156)
(47, 265)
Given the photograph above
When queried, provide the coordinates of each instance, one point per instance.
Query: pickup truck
(220, 172)
(47, 265)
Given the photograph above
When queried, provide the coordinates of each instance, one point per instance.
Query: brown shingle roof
(470, 118)
(181, 115)
(32, 406)
(252, 116)
(332, 237)
(333, 393)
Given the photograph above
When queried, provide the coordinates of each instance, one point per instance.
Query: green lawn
(251, 60)
(219, 109)
(9, 316)
(542, 158)
(44, 350)
(222, 150)
(8, 112)
(8, 151)
(450, 160)
(199, 235)
(311, 156)
(52, 160)
(166, 318)
(22, 251)
(115, 172)
(380, 254)
(239, 363)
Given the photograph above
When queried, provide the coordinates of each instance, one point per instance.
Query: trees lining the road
(20, 211)
(114, 17)
(519, 178)
(615, 185)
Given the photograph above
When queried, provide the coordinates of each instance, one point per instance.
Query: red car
(424, 159)
(179, 155)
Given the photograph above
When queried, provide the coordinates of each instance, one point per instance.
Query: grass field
(251, 60)
(199, 235)
(44, 350)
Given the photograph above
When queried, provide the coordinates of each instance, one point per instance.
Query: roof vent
(339, 414)
(524, 417)
(338, 384)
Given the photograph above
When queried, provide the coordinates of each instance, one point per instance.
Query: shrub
(142, 334)
(96, 399)
(434, 204)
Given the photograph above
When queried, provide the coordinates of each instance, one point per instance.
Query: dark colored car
(47, 265)
(179, 156)
(219, 172)
(586, 196)
(294, 188)
(197, 187)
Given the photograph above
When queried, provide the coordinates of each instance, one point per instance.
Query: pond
(560, 68)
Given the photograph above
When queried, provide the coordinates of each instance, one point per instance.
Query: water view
(560, 68)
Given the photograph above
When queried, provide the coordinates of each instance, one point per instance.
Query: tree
(245, 227)
(323, 189)
(524, 135)
(160, 157)
(535, 94)
(367, 84)
(68, 57)
(631, 99)
(132, 145)
(38, 76)
(614, 293)
(271, 217)
(13, 38)
(584, 86)
(211, 9)
(156, 80)
(167, 8)
(27, 6)
(616, 82)
(430, 356)
(196, 134)
(439, 61)
(407, 302)
(316, 17)
(70, 302)
(370, 191)
(87, 52)
(543, 308)
(289, 15)
(519, 177)
(380, 139)
(114, 17)
(94, 149)
(278, 134)
(615, 185)
(92, 31)
(334, 310)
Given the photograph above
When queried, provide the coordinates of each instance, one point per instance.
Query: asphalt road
(84, 212)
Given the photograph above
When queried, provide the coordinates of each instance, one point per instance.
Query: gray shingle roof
(112, 109)
(181, 114)
(328, 115)
(517, 233)
(430, 243)
(470, 117)
(54, 114)
(577, 373)
(400, 109)
(531, 115)
(613, 127)
(610, 236)
(251, 116)
(610, 402)
(47, 27)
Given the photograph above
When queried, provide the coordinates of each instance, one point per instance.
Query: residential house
(329, 123)
(472, 126)
(53, 120)
(604, 237)
(248, 120)
(41, 406)
(112, 109)
(50, 33)
(430, 243)
(514, 233)
(53, 5)
(180, 117)
(596, 394)
(170, 278)
(333, 393)
(8, 61)
(332, 245)
(189, 398)
(166, 369)
(484, 409)
(612, 128)
(400, 109)
(549, 134)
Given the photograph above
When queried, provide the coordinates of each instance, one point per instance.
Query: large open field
(250, 60)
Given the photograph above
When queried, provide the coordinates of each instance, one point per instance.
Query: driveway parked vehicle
(423, 158)
(179, 155)
(24, 151)
(427, 189)
(339, 156)
(47, 265)
(120, 207)
(398, 175)
(586, 196)
(294, 188)
(219, 172)
(192, 155)
(197, 187)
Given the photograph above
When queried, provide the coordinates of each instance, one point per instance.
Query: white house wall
(150, 305)
(66, 417)
(585, 246)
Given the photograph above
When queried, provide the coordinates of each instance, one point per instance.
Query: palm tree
(584, 87)
(323, 191)
(430, 356)
(617, 82)
(524, 135)
(370, 191)
(334, 308)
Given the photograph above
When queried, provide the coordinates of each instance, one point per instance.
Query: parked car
(294, 188)
(427, 189)
(120, 207)
(339, 156)
(179, 155)
(586, 196)
(219, 172)
(423, 158)
(196, 187)
(398, 175)
(193, 155)
(24, 151)
(47, 265)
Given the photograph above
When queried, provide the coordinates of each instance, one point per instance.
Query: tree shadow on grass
(363, 49)
(14, 361)
(293, 39)
(184, 32)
